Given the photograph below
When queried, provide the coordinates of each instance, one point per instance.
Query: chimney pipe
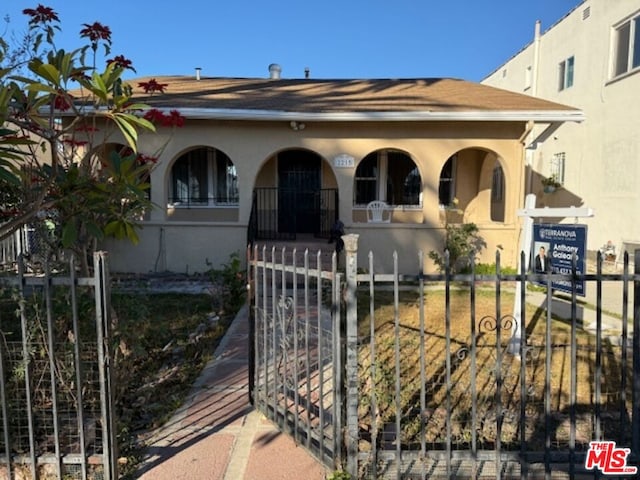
(198, 73)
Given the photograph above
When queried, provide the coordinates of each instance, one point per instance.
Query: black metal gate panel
(296, 366)
(56, 397)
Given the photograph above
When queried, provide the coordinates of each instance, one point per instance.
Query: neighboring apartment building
(590, 59)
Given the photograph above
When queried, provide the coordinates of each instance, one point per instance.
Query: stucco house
(274, 158)
(589, 58)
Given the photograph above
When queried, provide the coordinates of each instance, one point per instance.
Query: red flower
(174, 119)
(154, 115)
(142, 158)
(41, 14)
(121, 62)
(96, 31)
(61, 102)
(152, 86)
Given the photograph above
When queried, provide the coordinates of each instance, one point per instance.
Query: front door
(298, 192)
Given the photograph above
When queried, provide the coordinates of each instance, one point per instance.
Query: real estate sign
(554, 248)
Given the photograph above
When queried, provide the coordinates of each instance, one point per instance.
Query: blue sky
(465, 39)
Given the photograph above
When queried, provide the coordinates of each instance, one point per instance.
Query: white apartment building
(589, 59)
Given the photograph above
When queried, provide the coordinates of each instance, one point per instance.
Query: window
(626, 47)
(528, 78)
(388, 175)
(446, 189)
(565, 74)
(557, 167)
(497, 184)
(204, 176)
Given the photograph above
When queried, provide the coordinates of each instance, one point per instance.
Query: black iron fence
(444, 376)
(56, 409)
(282, 214)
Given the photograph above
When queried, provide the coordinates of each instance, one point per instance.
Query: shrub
(462, 242)
(231, 279)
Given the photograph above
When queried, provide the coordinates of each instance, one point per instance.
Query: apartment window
(387, 175)
(565, 74)
(626, 47)
(528, 78)
(204, 177)
(557, 166)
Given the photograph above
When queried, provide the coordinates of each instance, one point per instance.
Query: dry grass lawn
(459, 379)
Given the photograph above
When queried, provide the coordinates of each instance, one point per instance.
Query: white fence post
(351, 362)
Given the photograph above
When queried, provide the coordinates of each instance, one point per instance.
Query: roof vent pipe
(274, 71)
(198, 73)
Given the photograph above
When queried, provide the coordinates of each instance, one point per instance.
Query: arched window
(447, 185)
(387, 175)
(497, 194)
(205, 177)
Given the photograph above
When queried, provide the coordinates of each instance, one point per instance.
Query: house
(273, 158)
(589, 59)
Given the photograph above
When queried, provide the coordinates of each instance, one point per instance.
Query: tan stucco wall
(192, 236)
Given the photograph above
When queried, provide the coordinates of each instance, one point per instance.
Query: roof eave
(537, 116)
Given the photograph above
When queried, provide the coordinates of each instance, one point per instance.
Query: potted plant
(550, 184)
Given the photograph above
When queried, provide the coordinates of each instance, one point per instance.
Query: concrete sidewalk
(611, 304)
(217, 435)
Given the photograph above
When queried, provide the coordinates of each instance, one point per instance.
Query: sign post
(529, 213)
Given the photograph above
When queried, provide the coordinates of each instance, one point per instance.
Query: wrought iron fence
(440, 376)
(282, 214)
(296, 368)
(55, 375)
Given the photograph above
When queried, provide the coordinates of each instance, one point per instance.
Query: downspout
(529, 154)
(536, 59)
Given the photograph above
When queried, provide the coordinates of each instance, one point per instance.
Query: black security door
(298, 192)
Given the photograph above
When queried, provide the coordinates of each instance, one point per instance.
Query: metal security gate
(56, 405)
(422, 394)
(296, 372)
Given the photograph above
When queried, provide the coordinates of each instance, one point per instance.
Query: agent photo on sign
(542, 262)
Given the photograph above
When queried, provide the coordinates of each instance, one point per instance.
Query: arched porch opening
(472, 187)
(295, 194)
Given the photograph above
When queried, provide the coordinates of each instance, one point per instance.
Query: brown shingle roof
(339, 96)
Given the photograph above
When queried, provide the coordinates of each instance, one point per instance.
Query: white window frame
(557, 166)
(566, 73)
(381, 181)
(632, 46)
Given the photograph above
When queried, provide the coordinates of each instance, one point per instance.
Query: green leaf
(69, 234)
(9, 177)
(127, 129)
(94, 230)
(48, 72)
(98, 87)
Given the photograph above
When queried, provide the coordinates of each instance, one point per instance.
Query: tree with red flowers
(69, 162)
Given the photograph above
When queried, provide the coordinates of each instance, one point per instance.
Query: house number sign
(344, 161)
